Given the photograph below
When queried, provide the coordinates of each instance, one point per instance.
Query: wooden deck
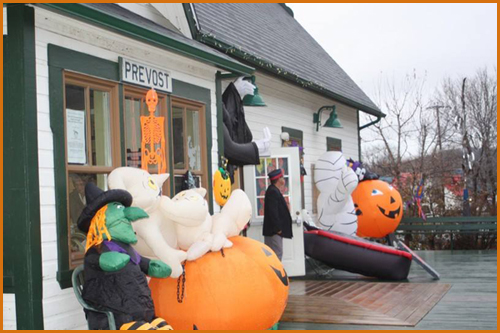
(471, 303)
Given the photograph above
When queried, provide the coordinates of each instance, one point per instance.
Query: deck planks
(470, 304)
(399, 304)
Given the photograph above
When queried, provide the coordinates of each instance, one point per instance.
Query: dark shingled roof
(267, 31)
(131, 17)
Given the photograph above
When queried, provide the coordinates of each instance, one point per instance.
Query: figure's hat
(275, 174)
(96, 199)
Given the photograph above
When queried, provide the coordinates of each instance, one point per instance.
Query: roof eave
(294, 78)
(137, 32)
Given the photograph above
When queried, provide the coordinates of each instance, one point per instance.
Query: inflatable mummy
(335, 181)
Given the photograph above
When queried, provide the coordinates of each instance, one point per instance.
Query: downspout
(220, 123)
(363, 127)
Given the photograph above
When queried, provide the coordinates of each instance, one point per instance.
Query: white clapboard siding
(61, 309)
(9, 312)
(292, 106)
(5, 31)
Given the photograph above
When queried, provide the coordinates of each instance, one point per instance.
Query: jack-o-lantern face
(378, 207)
(245, 287)
(152, 100)
(222, 186)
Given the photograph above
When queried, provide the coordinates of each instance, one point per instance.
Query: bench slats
(447, 227)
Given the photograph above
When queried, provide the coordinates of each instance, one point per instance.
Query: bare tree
(473, 105)
(430, 141)
(401, 102)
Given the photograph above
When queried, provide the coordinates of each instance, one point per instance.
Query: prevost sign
(144, 75)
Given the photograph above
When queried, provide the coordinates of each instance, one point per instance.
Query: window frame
(200, 107)
(87, 82)
(330, 141)
(163, 104)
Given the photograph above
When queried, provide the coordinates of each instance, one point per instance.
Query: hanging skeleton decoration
(153, 136)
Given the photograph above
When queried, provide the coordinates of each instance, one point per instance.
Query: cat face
(189, 208)
(146, 189)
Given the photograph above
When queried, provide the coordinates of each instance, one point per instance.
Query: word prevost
(145, 75)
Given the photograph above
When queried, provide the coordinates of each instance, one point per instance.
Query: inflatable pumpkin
(245, 288)
(222, 186)
(379, 208)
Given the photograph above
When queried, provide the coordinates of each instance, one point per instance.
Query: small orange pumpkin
(222, 186)
(246, 288)
(379, 208)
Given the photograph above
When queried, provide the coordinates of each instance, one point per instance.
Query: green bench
(451, 225)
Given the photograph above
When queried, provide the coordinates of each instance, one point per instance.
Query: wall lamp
(332, 121)
(255, 99)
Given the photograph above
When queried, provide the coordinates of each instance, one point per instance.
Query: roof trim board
(137, 32)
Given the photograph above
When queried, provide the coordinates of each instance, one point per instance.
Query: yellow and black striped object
(138, 325)
(161, 324)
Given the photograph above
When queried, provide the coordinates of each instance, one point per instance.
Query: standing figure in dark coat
(115, 274)
(277, 219)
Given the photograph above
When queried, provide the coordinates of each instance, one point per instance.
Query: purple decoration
(112, 246)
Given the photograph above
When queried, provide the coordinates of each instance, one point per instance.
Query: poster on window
(75, 136)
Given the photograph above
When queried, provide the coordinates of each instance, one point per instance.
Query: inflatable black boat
(357, 255)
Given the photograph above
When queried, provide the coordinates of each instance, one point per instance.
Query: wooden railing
(451, 225)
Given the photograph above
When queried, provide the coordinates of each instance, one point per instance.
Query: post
(220, 123)
(466, 153)
(440, 145)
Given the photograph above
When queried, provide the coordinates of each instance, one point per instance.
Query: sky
(435, 40)
(376, 43)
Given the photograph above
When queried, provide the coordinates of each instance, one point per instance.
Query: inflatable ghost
(156, 235)
(193, 235)
(198, 237)
(233, 217)
(335, 181)
(182, 223)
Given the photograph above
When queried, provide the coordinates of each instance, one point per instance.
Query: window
(134, 107)
(296, 140)
(92, 141)
(333, 144)
(262, 181)
(188, 138)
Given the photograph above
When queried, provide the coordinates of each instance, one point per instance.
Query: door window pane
(100, 125)
(262, 181)
(193, 139)
(260, 169)
(178, 136)
(283, 165)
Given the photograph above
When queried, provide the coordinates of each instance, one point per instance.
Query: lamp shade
(333, 121)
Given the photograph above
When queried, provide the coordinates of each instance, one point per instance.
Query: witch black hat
(96, 199)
